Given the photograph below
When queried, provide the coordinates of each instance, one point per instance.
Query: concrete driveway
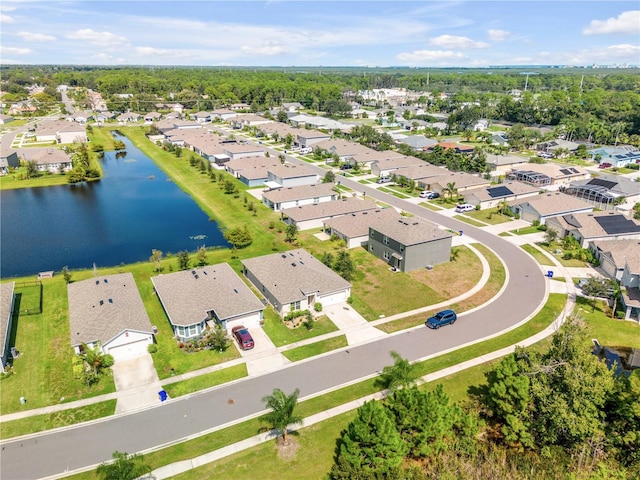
(136, 382)
(264, 356)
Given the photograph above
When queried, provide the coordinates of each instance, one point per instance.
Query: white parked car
(465, 207)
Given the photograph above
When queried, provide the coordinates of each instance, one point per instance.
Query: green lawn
(608, 331)
(526, 230)
(281, 335)
(316, 348)
(43, 371)
(14, 180)
(494, 284)
(489, 216)
(567, 263)
(539, 257)
(39, 423)
(378, 292)
(207, 380)
(469, 220)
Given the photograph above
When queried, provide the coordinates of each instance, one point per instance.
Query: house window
(385, 240)
(371, 247)
(295, 305)
(386, 255)
(402, 249)
(316, 200)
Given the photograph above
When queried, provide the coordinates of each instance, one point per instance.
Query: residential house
(616, 156)
(107, 312)
(346, 150)
(588, 227)
(252, 171)
(7, 298)
(236, 150)
(295, 280)
(306, 217)
(239, 106)
(409, 243)
(418, 142)
(542, 207)
(458, 148)
(391, 163)
(494, 195)
(8, 158)
(420, 173)
(169, 124)
(194, 298)
(60, 131)
(290, 175)
(279, 130)
(248, 120)
(481, 125)
(291, 106)
(222, 114)
(606, 191)
(201, 117)
(309, 138)
(129, 117)
(82, 117)
(4, 119)
(502, 164)
(354, 227)
(462, 181)
(613, 255)
(499, 138)
(152, 117)
(552, 146)
(50, 160)
(286, 197)
(550, 175)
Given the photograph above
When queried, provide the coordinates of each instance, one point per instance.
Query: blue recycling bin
(163, 395)
(550, 273)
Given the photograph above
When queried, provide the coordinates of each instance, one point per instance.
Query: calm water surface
(120, 219)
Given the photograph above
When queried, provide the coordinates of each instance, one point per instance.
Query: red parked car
(244, 338)
(604, 165)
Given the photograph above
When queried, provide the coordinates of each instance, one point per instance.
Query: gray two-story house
(409, 243)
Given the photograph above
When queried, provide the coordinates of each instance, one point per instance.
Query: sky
(473, 33)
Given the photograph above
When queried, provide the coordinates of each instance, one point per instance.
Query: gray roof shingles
(187, 298)
(101, 308)
(6, 301)
(290, 276)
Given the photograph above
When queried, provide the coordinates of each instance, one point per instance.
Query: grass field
(207, 380)
(280, 334)
(539, 257)
(316, 348)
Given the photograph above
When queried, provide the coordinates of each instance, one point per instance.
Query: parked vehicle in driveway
(429, 195)
(384, 179)
(243, 337)
(346, 166)
(440, 319)
(605, 165)
(465, 207)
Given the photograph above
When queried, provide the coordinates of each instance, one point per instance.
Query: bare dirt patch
(287, 449)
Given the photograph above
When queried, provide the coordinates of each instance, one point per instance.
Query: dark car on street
(243, 337)
(441, 319)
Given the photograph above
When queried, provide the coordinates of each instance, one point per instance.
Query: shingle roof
(290, 170)
(6, 301)
(554, 170)
(301, 192)
(424, 170)
(554, 203)
(290, 276)
(328, 209)
(410, 230)
(622, 251)
(44, 156)
(587, 225)
(357, 224)
(101, 308)
(343, 147)
(461, 179)
(188, 295)
(487, 193)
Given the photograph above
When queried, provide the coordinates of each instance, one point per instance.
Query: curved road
(52, 453)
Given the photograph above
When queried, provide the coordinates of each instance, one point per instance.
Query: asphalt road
(55, 452)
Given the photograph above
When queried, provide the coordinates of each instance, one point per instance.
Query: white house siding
(295, 182)
(70, 137)
(128, 345)
(251, 320)
(310, 224)
(335, 297)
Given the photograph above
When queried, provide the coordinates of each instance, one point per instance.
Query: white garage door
(129, 350)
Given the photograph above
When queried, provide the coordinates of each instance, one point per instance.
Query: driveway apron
(137, 383)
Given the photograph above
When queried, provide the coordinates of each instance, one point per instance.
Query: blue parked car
(441, 319)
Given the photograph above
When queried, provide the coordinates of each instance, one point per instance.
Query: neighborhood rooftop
(280, 195)
(357, 224)
(329, 209)
(553, 202)
(100, 308)
(188, 295)
(410, 230)
(295, 274)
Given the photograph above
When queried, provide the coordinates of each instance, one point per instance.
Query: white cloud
(626, 22)
(102, 39)
(267, 50)
(424, 56)
(105, 58)
(14, 51)
(496, 35)
(36, 37)
(6, 19)
(452, 41)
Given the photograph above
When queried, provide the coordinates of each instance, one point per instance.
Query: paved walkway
(568, 287)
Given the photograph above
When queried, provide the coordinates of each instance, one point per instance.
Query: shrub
(153, 348)
(317, 307)
(350, 300)
(295, 314)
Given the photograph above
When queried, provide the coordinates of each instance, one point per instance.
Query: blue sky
(472, 33)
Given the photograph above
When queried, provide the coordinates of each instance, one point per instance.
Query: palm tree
(401, 374)
(451, 190)
(616, 293)
(282, 407)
